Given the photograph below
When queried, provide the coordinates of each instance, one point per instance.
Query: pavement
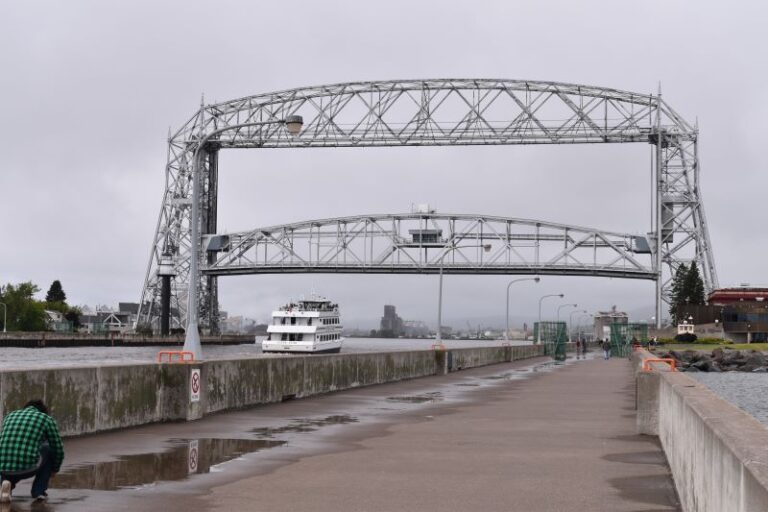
(525, 436)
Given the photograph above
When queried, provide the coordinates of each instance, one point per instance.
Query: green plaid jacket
(23, 431)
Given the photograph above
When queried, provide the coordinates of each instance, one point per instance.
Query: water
(185, 457)
(12, 358)
(744, 390)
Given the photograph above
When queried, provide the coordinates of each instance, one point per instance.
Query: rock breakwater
(719, 360)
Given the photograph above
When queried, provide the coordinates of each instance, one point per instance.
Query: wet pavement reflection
(184, 458)
(435, 396)
(303, 425)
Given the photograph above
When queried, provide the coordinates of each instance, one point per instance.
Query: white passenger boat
(310, 326)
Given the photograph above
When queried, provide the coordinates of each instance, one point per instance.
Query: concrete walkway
(561, 441)
(523, 436)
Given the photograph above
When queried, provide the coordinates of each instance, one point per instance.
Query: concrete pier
(523, 436)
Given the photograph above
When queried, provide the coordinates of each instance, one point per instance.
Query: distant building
(108, 321)
(604, 319)
(391, 325)
(739, 314)
(415, 329)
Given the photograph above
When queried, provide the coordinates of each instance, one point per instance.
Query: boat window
(300, 338)
(310, 321)
(284, 337)
(282, 320)
(293, 320)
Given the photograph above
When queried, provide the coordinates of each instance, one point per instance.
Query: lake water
(28, 358)
(745, 390)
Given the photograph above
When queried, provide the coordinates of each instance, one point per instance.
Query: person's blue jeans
(42, 473)
(607, 354)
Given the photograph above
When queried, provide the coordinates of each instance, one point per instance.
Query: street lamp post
(192, 338)
(564, 306)
(535, 279)
(439, 336)
(538, 333)
(5, 317)
(570, 322)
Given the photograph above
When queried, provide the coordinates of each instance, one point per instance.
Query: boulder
(702, 365)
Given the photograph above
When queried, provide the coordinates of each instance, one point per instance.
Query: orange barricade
(438, 346)
(184, 356)
(671, 362)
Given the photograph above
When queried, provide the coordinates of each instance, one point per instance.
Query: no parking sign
(194, 456)
(194, 385)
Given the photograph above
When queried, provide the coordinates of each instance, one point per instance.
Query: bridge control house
(741, 313)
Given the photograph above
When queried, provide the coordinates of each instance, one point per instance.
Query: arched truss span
(423, 243)
(435, 112)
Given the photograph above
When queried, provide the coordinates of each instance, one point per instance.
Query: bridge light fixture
(294, 124)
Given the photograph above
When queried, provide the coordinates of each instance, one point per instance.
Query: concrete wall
(86, 400)
(718, 453)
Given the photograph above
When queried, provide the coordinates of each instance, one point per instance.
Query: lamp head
(293, 124)
(487, 247)
(537, 279)
(561, 295)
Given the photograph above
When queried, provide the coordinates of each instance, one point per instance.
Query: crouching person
(30, 446)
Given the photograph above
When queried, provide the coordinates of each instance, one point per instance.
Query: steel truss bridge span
(431, 112)
(423, 244)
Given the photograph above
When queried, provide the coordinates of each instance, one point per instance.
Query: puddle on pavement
(184, 458)
(468, 384)
(301, 425)
(435, 396)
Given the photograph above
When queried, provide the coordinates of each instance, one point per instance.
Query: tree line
(25, 313)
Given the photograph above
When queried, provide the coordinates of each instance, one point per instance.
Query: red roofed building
(723, 296)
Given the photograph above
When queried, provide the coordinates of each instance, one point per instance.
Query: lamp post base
(192, 341)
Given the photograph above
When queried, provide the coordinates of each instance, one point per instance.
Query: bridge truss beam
(435, 112)
(422, 243)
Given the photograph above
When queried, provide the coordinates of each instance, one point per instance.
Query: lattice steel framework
(422, 243)
(441, 112)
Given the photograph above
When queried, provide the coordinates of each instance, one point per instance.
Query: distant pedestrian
(30, 446)
(606, 350)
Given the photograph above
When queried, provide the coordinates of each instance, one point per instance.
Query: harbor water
(12, 358)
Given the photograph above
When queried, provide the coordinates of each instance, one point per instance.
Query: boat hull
(301, 348)
(334, 350)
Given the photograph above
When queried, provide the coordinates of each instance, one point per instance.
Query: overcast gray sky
(89, 90)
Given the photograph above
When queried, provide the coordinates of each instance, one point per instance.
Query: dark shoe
(41, 497)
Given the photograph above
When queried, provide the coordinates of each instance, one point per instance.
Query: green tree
(24, 312)
(694, 286)
(678, 291)
(73, 315)
(56, 293)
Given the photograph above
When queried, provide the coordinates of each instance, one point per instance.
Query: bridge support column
(209, 300)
